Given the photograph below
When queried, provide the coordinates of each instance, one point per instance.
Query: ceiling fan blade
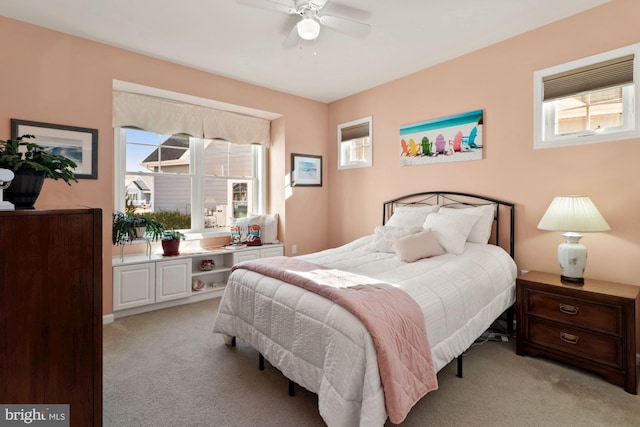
(318, 4)
(345, 25)
(278, 6)
(292, 38)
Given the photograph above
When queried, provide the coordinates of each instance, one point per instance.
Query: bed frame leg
(459, 374)
(292, 388)
(233, 341)
(260, 361)
(510, 320)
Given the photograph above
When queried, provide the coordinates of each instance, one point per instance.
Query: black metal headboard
(500, 232)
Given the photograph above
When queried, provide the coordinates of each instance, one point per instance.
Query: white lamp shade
(573, 213)
(308, 29)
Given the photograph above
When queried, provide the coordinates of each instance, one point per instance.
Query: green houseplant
(128, 227)
(32, 164)
(171, 242)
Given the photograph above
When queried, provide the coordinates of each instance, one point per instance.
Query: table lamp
(6, 176)
(573, 215)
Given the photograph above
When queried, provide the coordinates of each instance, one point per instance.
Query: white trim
(196, 162)
(195, 297)
(108, 318)
(260, 173)
(119, 153)
(632, 131)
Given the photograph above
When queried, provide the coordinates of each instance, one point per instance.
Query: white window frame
(544, 115)
(197, 186)
(343, 162)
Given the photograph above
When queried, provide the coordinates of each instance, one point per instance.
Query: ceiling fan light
(308, 29)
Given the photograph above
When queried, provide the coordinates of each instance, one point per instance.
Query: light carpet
(166, 368)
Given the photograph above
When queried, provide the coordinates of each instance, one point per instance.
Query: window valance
(164, 116)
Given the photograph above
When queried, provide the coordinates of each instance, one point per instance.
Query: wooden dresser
(592, 326)
(51, 310)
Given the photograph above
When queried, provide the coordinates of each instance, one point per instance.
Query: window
(188, 183)
(355, 144)
(588, 112)
(590, 100)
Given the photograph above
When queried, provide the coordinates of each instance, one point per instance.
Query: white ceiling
(245, 43)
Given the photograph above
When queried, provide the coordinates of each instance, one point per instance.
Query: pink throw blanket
(392, 317)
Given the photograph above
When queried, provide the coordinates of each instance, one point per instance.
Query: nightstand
(592, 326)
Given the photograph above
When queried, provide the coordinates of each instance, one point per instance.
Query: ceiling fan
(308, 26)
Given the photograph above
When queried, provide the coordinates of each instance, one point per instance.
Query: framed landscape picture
(76, 143)
(306, 170)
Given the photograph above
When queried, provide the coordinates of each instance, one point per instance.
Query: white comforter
(325, 349)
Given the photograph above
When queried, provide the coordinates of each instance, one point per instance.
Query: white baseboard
(107, 318)
(195, 297)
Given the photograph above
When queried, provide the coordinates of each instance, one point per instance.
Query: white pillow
(417, 246)
(385, 235)
(481, 231)
(451, 230)
(411, 216)
(268, 227)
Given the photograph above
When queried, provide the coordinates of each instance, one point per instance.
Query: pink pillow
(417, 246)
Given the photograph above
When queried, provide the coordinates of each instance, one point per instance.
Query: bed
(323, 347)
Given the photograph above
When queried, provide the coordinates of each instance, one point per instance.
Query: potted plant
(31, 164)
(127, 228)
(171, 242)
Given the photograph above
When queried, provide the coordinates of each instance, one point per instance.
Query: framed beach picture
(76, 143)
(306, 170)
(454, 138)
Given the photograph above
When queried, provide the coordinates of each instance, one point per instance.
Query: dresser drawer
(573, 311)
(595, 347)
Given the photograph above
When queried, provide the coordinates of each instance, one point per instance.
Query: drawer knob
(569, 309)
(569, 338)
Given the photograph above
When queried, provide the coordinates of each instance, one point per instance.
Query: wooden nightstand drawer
(573, 311)
(592, 326)
(598, 348)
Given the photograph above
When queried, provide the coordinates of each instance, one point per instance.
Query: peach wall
(499, 79)
(56, 78)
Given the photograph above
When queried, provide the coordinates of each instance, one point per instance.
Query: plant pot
(25, 188)
(139, 232)
(171, 247)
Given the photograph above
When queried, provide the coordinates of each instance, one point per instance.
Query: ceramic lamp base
(573, 258)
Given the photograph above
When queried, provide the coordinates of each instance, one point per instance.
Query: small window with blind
(587, 101)
(355, 144)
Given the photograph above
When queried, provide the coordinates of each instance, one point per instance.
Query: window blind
(615, 72)
(359, 130)
(168, 117)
